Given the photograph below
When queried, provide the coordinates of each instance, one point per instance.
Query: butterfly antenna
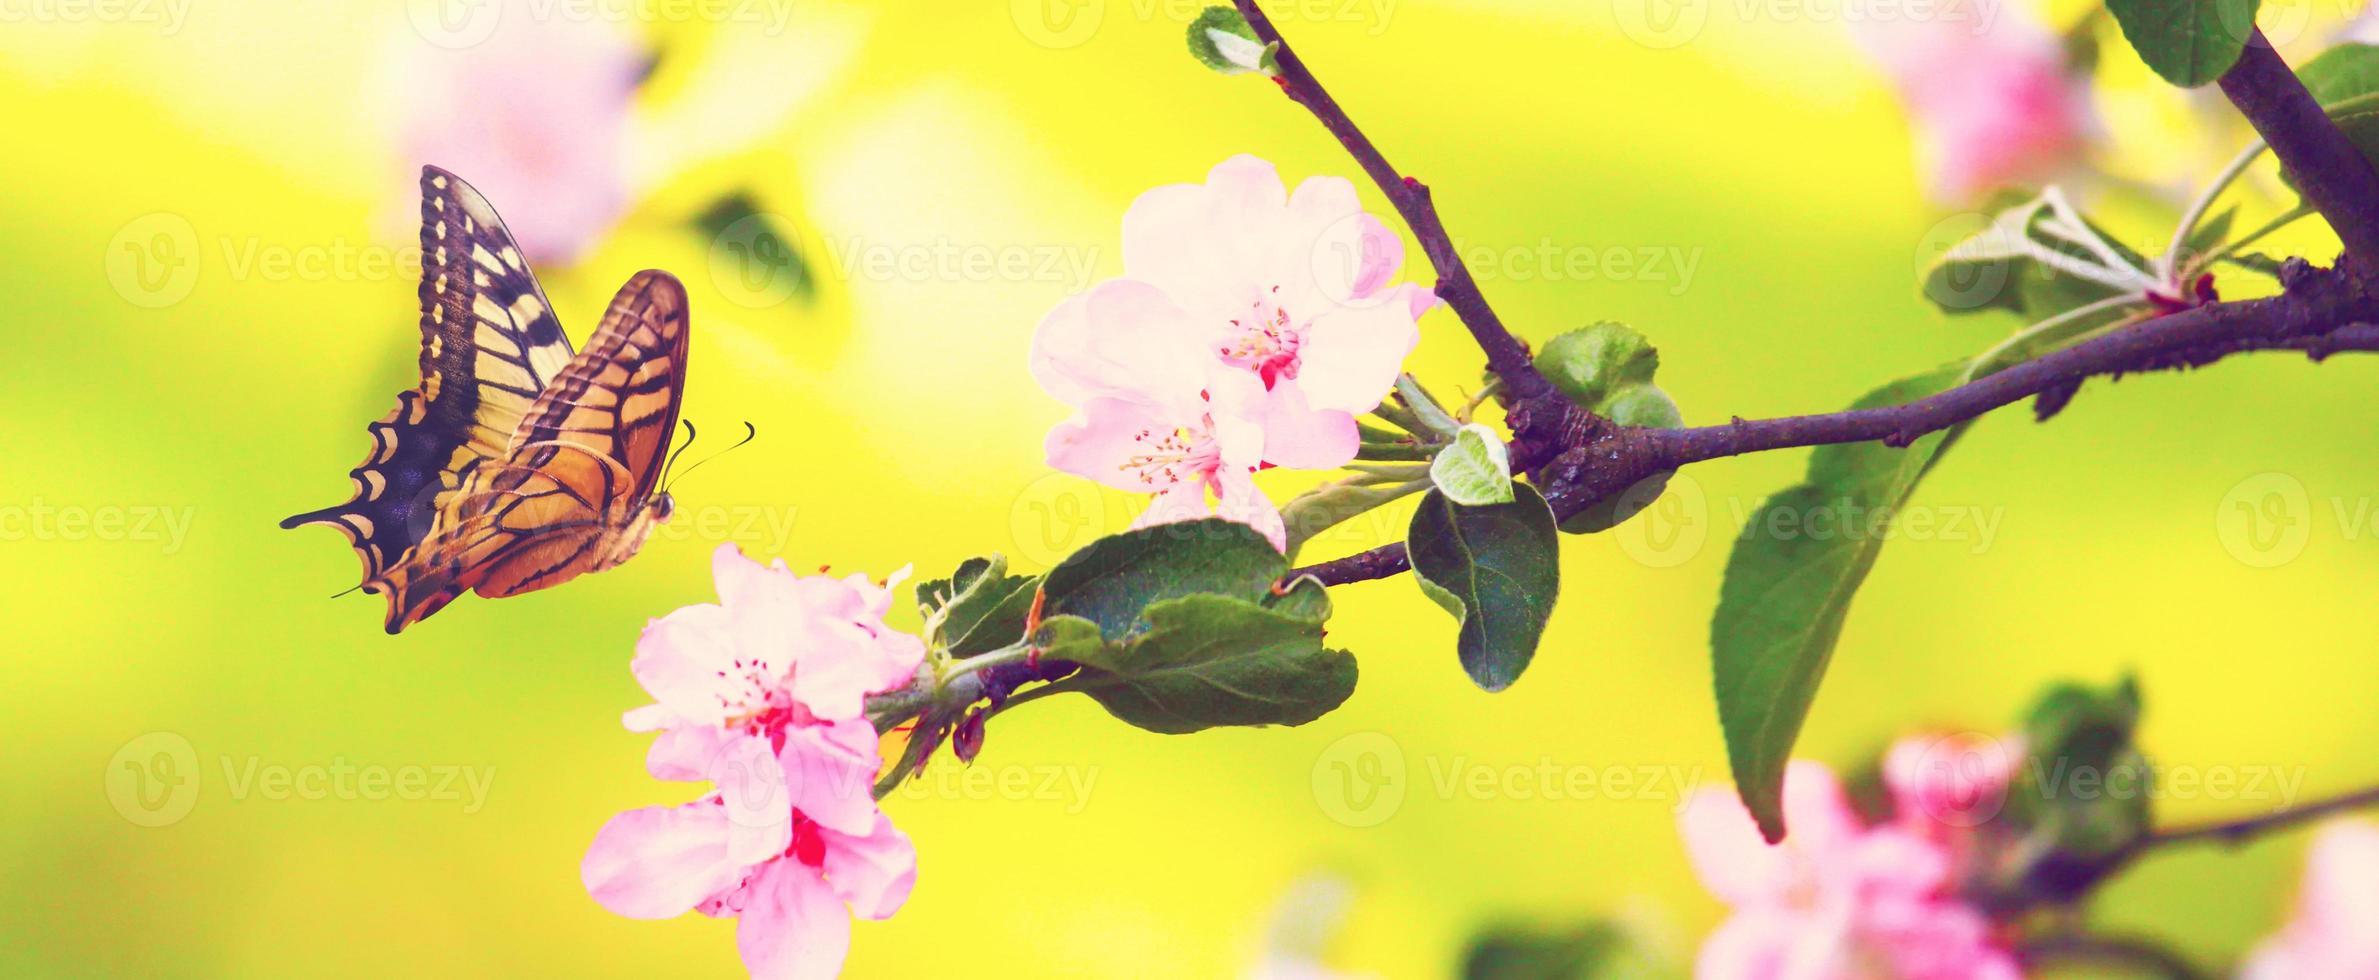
(681, 450)
(750, 432)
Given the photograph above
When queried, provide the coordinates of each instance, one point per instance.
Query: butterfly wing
(620, 398)
(511, 529)
(568, 497)
(490, 344)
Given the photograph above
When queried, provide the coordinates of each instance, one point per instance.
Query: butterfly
(516, 465)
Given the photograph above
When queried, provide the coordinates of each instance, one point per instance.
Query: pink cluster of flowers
(1250, 327)
(1992, 96)
(762, 695)
(1842, 898)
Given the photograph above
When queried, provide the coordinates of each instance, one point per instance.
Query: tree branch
(2329, 169)
(2235, 832)
(2323, 312)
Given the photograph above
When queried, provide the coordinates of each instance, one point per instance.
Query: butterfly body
(516, 465)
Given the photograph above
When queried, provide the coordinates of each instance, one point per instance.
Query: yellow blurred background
(898, 425)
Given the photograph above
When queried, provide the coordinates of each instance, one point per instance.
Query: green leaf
(1589, 363)
(1476, 470)
(2085, 787)
(1644, 406)
(986, 606)
(1206, 661)
(1110, 580)
(1332, 504)
(1581, 952)
(1222, 40)
(1997, 267)
(755, 245)
(2341, 73)
(2189, 42)
(1788, 587)
(1497, 569)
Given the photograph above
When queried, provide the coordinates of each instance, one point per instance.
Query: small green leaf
(1335, 503)
(1476, 470)
(2086, 785)
(1589, 363)
(1222, 40)
(2188, 42)
(1497, 569)
(2341, 73)
(1999, 265)
(1306, 598)
(1110, 580)
(1208, 660)
(1644, 406)
(1788, 587)
(986, 606)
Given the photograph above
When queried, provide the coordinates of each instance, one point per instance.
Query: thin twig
(2242, 830)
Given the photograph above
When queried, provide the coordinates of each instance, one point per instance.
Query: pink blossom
(1250, 328)
(762, 695)
(537, 111)
(1991, 96)
(1836, 899)
(2336, 929)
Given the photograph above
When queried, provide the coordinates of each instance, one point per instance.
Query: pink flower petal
(829, 772)
(792, 926)
(1105, 441)
(1122, 338)
(874, 871)
(659, 862)
(1299, 436)
(679, 658)
(1738, 865)
(1242, 501)
(1352, 355)
(754, 794)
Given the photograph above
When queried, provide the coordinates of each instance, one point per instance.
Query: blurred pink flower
(1991, 96)
(2336, 929)
(1250, 328)
(1945, 788)
(1836, 900)
(535, 112)
(762, 695)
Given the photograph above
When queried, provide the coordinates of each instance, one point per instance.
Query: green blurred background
(898, 425)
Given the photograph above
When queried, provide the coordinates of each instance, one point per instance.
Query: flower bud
(967, 740)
